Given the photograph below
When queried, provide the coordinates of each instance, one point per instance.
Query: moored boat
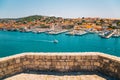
(116, 35)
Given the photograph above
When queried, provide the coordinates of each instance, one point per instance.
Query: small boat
(80, 34)
(55, 41)
(116, 35)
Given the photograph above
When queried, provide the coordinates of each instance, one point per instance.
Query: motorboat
(55, 41)
(116, 35)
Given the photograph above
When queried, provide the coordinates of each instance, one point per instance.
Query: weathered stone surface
(25, 76)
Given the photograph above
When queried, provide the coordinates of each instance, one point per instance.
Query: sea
(18, 42)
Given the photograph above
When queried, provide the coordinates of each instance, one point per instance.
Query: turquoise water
(17, 42)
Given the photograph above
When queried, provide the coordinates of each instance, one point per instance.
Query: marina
(108, 34)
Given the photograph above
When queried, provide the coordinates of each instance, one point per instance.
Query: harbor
(104, 34)
(105, 28)
(17, 42)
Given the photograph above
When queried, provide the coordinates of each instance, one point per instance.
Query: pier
(109, 34)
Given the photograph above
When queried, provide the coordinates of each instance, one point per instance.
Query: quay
(40, 30)
(59, 66)
(55, 32)
(76, 33)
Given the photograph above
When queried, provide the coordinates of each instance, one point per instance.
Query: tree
(118, 23)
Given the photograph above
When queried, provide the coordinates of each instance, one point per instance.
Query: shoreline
(56, 25)
(70, 33)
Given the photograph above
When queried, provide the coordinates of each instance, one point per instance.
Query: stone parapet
(61, 62)
(109, 65)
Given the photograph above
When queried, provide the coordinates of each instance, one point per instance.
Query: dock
(55, 32)
(80, 34)
(109, 34)
(77, 33)
(40, 30)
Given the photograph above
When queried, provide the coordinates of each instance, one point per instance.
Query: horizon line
(59, 16)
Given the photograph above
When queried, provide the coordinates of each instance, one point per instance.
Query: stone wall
(109, 65)
(11, 65)
(68, 62)
(61, 62)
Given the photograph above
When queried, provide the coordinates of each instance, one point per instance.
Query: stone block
(96, 64)
(63, 57)
(54, 57)
(71, 63)
(11, 67)
(17, 60)
(94, 57)
(36, 57)
(58, 63)
(72, 57)
(36, 63)
(48, 63)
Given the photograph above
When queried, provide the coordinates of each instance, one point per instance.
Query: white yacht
(55, 41)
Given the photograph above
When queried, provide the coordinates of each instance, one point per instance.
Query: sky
(60, 8)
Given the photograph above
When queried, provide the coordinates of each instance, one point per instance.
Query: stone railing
(62, 62)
